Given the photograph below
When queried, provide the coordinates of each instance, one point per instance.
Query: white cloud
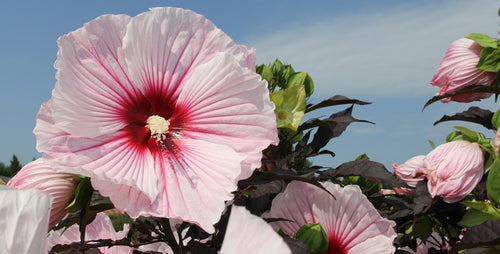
(390, 53)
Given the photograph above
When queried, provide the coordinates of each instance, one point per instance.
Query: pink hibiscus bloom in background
(247, 233)
(350, 221)
(411, 172)
(454, 169)
(61, 186)
(100, 228)
(458, 70)
(163, 111)
(24, 220)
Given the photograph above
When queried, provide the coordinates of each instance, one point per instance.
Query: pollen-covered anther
(158, 127)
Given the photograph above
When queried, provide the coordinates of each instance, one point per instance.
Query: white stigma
(158, 127)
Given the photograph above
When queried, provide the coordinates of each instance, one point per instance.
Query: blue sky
(384, 52)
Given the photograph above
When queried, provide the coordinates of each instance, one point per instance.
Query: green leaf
(422, 228)
(265, 72)
(83, 194)
(483, 40)
(493, 182)
(495, 120)
(314, 236)
(480, 212)
(290, 106)
(296, 79)
(309, 84)
(489, 60)
(277, 67)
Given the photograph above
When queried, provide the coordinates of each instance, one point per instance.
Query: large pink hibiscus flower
(350, 221)
(163, 111)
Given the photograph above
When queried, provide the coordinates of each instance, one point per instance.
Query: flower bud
(411, 172)
(454, 169)
(458, 70)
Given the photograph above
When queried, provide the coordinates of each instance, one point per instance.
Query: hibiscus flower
(163, 111)
(350, 221)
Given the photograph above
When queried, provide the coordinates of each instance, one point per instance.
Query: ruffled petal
(247, 233)
(25, 220)
(228, 105)
(162, 45)
(39, 175)
(92, 88)
(194, 189)
(350, 221)
(112, 158)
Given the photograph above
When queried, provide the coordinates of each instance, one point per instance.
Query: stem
(169, 236)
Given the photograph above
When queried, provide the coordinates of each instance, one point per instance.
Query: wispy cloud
(381, 53)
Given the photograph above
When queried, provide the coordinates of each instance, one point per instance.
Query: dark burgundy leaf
(296, 246)
(474, 115)
(422, 198)
(465, 90)
(370, 170)
(339, 122)
(335, 100)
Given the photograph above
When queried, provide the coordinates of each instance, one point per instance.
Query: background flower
(24, 220)
(100, 228)
(454, 169)
(247, 233)
(458, 70)
(163, 111)
(350, 221)
(61, 186)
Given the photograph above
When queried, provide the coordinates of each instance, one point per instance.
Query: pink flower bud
(411, 172)
(458, 70)
(39, 175)
(454, 169)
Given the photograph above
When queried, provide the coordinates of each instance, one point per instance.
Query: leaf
(261, 197)
(465, 90)
(339, 122)
(314, 236)
(468, 134)
(495, 120)
(279, 174)
(83, 194)
(296, 246)
(483, 40)
(265, 72)
(489, 59)
(493, 181)
(422, 198)
(335, 100)
(296, 79)
(473, 115)
(370, 170)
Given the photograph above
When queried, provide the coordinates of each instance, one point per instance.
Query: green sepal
(277, 67)
(468, 134)
(290, 106)
(483, 40)
(480, 212)
(489, 60)
(83, 194)
(453, 136)
(314, 236)
(495, 119)
(493, 181)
